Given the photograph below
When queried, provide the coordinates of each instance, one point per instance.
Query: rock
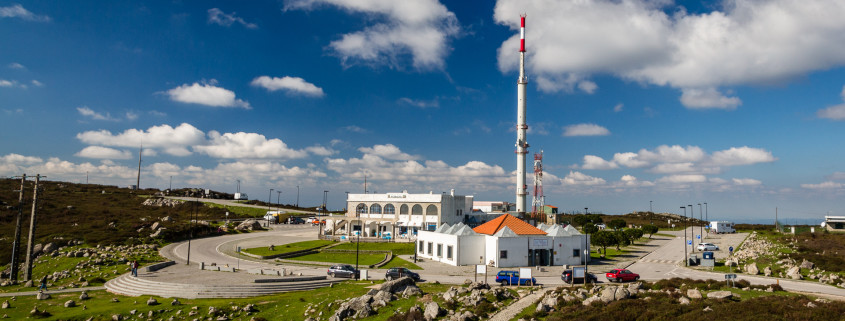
(248, 225)
(166, 219)
(50, 248)
(542, 307)
(116, 317)
(752, 269)
(397, 285)
(411, 290)
(694, 294)
(794, 273)
(152, 301)
(683, 300)
(84, 296)
(114, 300)
(175, 302)
(42, 296)
(384, 296)
(37, 249)
(249, 308)
(811, 305)
(133, 311)
(6, 305)
(707, 309)
(157, 232)
(70, 303)
(590, 300)
(719, 295)
(432, 311)
(28, 284)
(155, 226)
(807, 264)
(767, 271)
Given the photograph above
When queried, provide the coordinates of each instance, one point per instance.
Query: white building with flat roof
(375, 215)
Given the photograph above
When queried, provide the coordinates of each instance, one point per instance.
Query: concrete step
(134, 286)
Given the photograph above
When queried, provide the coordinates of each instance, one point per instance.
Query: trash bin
(694, 260)
(707, 255)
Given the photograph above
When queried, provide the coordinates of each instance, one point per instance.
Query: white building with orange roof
(505, 241)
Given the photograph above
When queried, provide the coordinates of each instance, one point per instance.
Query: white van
(719, 227)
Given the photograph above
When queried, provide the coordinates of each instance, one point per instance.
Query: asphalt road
(234, 203)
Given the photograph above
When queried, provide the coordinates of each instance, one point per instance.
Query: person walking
(43, 285)
(135, 268)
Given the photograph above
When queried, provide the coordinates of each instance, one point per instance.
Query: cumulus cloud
(173, 141)
(320, 150)
(6, 83)
(388, 151)
(678, 159)
(743, 42)
(742, 156)
(246, 145)
(88, 112)
(746, 181)
(595, 162)
(836, 112)
(355, 129)
(217, 16)
(578, 178)
(18, 11)
(618, 108)
(585, 130)
(683, 179)
(824, 185)
(37, 83)
(292, 85)
(206, 94)
(16, 65)
(421, 29)
(103, 153)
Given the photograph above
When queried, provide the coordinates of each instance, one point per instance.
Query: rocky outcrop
(752, 269)
(719, 295)
(249, 225)
(159, 202)
(694, 294)
(794, 273)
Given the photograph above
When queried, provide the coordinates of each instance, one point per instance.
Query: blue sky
(739, 104)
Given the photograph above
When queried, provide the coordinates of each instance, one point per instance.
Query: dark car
(512, 277)
(342, 271)
(566, 276)
(395, 273)
(621, 275)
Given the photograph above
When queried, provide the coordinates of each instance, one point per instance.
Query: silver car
(707, 247)
(342, 271)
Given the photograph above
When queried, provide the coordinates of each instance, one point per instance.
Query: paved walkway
(516, 307)
(71, 290)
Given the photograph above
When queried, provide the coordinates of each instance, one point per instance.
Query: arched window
(403, 210)
(361, 209)
(416, 210)
(375, 209)
(431, 210)
(389, 209)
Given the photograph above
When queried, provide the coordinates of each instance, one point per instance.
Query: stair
(134, 286)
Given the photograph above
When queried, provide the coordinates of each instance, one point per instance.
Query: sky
(635, 104)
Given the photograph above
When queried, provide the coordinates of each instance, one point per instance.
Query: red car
(621, 275)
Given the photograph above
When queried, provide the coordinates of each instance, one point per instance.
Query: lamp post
(278, 196)
(297, 195)
(651, 212)
(692, 216)
(701, 219)
(191, 230)
(269, 199)
(706, 217)
(685, 235)
(357, 241)
(586, 211)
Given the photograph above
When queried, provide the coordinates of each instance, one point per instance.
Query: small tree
(595, 218)
(650, 230)
(590, 228)
(621, 239)
(580, 220)
(603, 239)
(617, 224)
(633, 234)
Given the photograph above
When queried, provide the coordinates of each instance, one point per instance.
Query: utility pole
(138, 182)
(17, 241)
(297, 196)
(32, 220)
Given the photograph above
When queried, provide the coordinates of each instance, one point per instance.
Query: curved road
(664, 262)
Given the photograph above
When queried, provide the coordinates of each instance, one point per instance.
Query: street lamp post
(706, 217)
(701, 219)
(651, 212)
(269, 199)
(692, 216)
(191, 230)
(357, 242)
(586, 211)
(297, 195)
(278, 196)
(685, 235)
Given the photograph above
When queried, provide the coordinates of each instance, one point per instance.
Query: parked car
(512, 277)
(601, 226)
(395, 273)
(343, 271)
(621, 275)
(707, 247)
(566, 276)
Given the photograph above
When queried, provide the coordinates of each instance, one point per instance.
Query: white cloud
(37, 83)
(629, 160)
(293, 85)
(578, 178)
(658, 42)
(88, 112)
(355, 129)
(18, 11)
(16, 65)
(683, 179)
(420, 103)
(217, 16)
(588, 86)
(824, 185)
(618, 108)
(595, 162)
(697, 98)
(672, 154)
(746, 182)
(6, 83)
(103, 153)
(585, 130)
(421, 29)
(742, 156)
(246, 145)
(632, 181)
(173, 141)
(131, 116)
(320, 150)
(388, 151)
(836, 112)
(20, 159)
(206, 94)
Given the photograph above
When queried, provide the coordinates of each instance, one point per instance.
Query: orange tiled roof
(516, 225)
(551, 206)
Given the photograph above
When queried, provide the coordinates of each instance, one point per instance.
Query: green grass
(341, 258)
(398, 262)
(663, 235)
(240, 211)
(396, 248)
(287, 248)
(611, 253)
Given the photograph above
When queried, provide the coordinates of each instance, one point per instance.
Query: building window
(459, 212)
(576, 252)
(449, 252)
(429, 247)
(403, 210)
(421, 247)
(375, 209)
(439, 250)
(389, 209)
(431, 210)
(503, 254)
(361, 209)
(416, 210)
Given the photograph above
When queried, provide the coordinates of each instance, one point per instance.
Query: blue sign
(731, 249)
(689, 242)
(698, 237)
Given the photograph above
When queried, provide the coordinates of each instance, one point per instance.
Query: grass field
(396, 248)
(287, 248)
(344, 258)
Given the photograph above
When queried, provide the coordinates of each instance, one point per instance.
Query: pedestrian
(135, 268)
(43, 285)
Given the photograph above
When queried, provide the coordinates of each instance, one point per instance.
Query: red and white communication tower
(539, 200)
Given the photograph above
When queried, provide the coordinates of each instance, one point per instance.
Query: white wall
(517, 248)
(470, 249)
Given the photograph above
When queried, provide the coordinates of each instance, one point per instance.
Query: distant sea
(771, 221)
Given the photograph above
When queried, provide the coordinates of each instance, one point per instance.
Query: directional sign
(698, 236)
(731, 249)
(689, 242)
(730, 276)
